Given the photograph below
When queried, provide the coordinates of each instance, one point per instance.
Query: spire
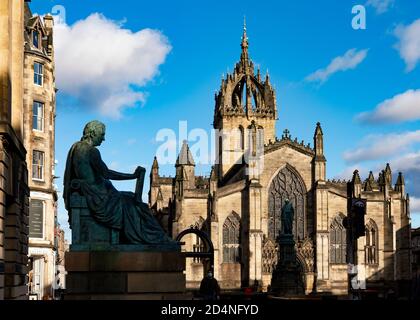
(356, 184)
(388, 175)
(244, 44)
(213, 174)
(185, 156)
(319, 143)
(370, 183)
(400, 179)
(400, 184)
(267, 78)
(155, 164)
(318, 130)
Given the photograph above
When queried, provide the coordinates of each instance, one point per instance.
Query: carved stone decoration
(305, 250)
(286, 185)
(269, 255)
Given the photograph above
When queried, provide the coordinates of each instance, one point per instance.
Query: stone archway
(287, 184)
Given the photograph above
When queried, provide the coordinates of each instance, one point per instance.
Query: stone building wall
(13, 171)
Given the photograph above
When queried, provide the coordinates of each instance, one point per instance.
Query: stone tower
(244, 104)
(184, 181)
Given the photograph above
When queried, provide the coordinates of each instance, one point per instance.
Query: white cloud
(409, 44)
(407, 162)
(414, 204)
(375, 147)
(131, 141)
(347, 173)
(402, 107)
(103, 65)
(381, 6)
(350, 60)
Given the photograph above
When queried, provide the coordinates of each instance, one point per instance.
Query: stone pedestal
(287, 276)
(125, 275)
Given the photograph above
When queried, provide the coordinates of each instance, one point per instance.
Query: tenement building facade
(39, 134)
(239, 205)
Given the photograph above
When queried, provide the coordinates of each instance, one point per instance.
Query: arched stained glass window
(231, 238)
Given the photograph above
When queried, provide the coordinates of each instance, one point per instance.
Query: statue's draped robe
(108, 206)
(287, 217)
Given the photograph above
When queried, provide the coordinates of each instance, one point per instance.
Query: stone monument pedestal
(125, 275)
(287, 277)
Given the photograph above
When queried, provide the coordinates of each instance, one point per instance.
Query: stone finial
(356, 177)
(267, 78)
(400, 184)
(388, 175)
(318, 129)
(400, 179)
(155, 164)
(370, 183)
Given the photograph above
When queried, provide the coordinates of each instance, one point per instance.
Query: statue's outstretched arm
(97, 161)
(114, 175)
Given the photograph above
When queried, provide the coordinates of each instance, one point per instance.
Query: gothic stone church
(240, 209)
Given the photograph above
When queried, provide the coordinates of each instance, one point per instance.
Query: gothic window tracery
(371, 246)
(286, 185)
(231, 239)
(338, 241)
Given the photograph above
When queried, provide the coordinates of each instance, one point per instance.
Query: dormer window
(35, 38)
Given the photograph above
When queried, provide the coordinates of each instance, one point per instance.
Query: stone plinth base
(287, 277)
(102, 275)
(287, 281)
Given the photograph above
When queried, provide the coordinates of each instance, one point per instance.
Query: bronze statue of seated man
(122, 211)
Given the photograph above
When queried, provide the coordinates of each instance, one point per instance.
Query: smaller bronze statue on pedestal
(287, 217)
(287, 278)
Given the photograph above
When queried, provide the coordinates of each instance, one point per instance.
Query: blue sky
(192, 43)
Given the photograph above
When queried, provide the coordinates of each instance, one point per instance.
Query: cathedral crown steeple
(243, 92)
(244, 97)
(244, 46)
